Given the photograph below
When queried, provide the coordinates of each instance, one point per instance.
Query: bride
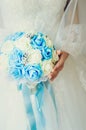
(67, 28)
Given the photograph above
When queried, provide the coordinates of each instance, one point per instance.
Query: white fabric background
(70, 95)
(82, 10)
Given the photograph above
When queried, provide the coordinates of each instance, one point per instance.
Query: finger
(59, 52)
(55, 73)
(53, 77)
(52, 74)
(58, 65)
(64, 56)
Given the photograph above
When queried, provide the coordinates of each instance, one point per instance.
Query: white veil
(71, 38)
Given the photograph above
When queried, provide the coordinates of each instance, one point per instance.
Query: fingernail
(53, 70)
(50, 76)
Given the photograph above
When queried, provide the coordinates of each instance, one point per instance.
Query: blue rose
(15, 36)
(16, 57)
(33, 72)
(38, 41)
(16, 67)
(46, 53)
(16, 72)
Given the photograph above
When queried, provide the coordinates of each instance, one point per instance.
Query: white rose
(47, 67)
(7, 47)
(23, 43)
(55, 57)
(48, 42)
(34, 56)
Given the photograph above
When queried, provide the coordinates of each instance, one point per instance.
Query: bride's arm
(63, 54)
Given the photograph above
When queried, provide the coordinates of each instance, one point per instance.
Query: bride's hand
(59, 66)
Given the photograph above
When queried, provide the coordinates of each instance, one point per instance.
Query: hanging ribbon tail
(28, 105)
(38, 117)
(40, 100)
(51, 92)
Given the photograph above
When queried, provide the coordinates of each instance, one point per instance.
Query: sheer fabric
(72, 36)
(47, 16)
(71, 83)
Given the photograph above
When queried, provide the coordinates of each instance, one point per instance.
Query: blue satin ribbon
(28, 105)
(39, 96)
(39, 99)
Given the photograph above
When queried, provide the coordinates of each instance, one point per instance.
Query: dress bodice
(32, 15)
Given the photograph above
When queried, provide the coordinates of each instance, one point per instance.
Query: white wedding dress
(46, 16)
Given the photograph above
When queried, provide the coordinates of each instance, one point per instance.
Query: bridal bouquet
(29, 57)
